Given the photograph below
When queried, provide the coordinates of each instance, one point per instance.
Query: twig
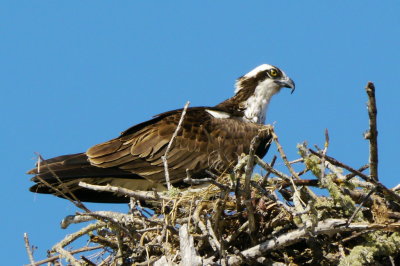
(283, 155)
(193, 181)
(270, 195)
(269, 168)
(396, 188)
(53, 258)
(202, 226)
(302, 182)
(300, 160)
(387, 191)
(372, 134)
(360, 206)
(154, 261)
(69, 238)
(85, 217)
(266, 176)
(67, 255)
(247, 192)
(351, 175)
(250, 164)
(28, 249)
(74, 199)
(165, 157)
(340, 164)
(236, 233)
(88, 262)
(328, 227)
(291, 170)
(213, 236)
(120, 258)
(140, 195)
(237, 174)
(104, 241)
(326, 145)
(111, 219)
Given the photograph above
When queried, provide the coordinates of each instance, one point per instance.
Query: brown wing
(133, 160)
(203, 142)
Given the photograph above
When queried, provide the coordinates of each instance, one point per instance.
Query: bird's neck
(251, 105)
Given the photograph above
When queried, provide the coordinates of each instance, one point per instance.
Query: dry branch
(139, 195)
(57, 257)
(28, 249)
(372, 134)
(328, 227)
(165, 157)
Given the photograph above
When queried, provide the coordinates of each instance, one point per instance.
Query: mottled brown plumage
(210, 138)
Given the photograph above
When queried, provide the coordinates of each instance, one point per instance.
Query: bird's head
(255, 90)
(265, 77)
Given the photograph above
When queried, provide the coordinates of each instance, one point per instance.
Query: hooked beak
(286, 83)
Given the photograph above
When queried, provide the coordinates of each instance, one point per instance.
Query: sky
(77, 73)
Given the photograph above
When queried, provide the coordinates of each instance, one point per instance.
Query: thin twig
(387, 191)
(247, 192)
(67, 255)
(340, 164)
(202, 226)
(236, 233)
(328, 226)
(265, 178)
(270, 195)
(360, 206)
(88, 262)
(396, 188)
(120, 258)
(28, 249)
(283, 155)
(140, 195)
(269, 168)
(193, 181)
(326, 145)
(351, 175)
(74, 199)
(165, 156)
(69, 238)
(53, 258)
(372, 134)
(111, 219)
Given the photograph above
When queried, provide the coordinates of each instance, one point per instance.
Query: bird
(209, 141)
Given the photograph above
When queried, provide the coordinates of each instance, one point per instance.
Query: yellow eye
(273, 73)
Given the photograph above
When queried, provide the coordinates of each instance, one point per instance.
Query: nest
(245, 218)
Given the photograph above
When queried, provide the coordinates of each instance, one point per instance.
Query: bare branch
(372, 134)
(327, 227)
(57, 257)
(165, 157)
(192, 181)
(140, 195)
(28, 249)
(74, 199)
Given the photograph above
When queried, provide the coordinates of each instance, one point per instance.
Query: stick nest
(243, 218)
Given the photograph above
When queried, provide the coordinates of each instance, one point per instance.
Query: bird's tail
(61, 175)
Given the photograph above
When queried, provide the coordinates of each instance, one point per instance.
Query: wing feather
(202, 141)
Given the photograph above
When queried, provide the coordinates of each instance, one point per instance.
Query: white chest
(257, 104)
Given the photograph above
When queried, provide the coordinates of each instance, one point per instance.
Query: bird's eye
(273, 73)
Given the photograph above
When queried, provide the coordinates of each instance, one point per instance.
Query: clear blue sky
(76, 73)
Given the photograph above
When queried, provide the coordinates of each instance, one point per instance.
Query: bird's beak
(286, 83)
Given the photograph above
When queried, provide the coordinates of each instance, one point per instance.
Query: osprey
(210, 138)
